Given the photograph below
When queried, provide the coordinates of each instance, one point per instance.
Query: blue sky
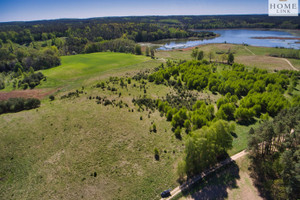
(26, 10)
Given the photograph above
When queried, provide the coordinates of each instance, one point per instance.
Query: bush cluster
(18, 104)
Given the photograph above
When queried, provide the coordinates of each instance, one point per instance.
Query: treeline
(93, 31)
(116, 45)
(18, 104)
(136, 28)
(109, 34)
(39, 44)
(239, 21)
(11, 59)
(294, 54)
(274, 152)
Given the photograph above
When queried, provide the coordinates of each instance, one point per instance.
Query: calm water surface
(239, 37)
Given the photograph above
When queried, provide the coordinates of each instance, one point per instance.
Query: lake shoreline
(277, 38)
(201, 45)
(253, 37)
(160, 42)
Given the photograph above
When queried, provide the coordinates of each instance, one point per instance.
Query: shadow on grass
(215, 185)
(233, 134)
(248, 122)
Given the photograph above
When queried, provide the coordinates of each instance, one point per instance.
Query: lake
(239, 36)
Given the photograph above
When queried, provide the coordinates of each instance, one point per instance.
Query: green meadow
(75, 148)
(76, 69)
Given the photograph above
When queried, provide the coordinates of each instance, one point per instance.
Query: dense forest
(275, 154)
(39, 44)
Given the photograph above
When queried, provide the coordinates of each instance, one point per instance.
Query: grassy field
(51, 152)
(240, 140)
(77, 69)
(232, 182)
(76, 148)
(248, 55)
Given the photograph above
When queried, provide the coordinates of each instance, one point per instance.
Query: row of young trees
(199, 55)
(18, 104)
(292, 53)
(275, 155)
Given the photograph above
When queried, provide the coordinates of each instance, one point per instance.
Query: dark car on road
(165, 194)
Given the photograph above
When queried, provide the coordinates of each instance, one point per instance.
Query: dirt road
(190, 182)
(290, 63)
(286, 60)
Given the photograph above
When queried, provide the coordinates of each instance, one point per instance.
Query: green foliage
(51, 97)
(147, 52)
(138, 49)
(181, 170)
(152, 52)
(2, 83)
(295, 101)
(37, 59)
(265, 117)
(31, 81)
(226, 112)
(244, 114)
(18, 67)
(251, 131)
(260, 93)
(179, 118)
(187, 125)
(205, 145)
(18, 104)
(194, 53)
(274, 151)
(230, 59)
(177, 133)
(211, 55)
(154, 129)
(200, 55)
(116, 45)
(271, 102)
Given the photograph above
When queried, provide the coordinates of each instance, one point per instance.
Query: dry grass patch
(264, 62)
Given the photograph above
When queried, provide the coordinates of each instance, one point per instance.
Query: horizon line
(25, 21)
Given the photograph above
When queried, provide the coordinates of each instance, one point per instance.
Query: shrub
(51, 97)
(31, 103)
(154, 128)
(156, 154)
(178, 132)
